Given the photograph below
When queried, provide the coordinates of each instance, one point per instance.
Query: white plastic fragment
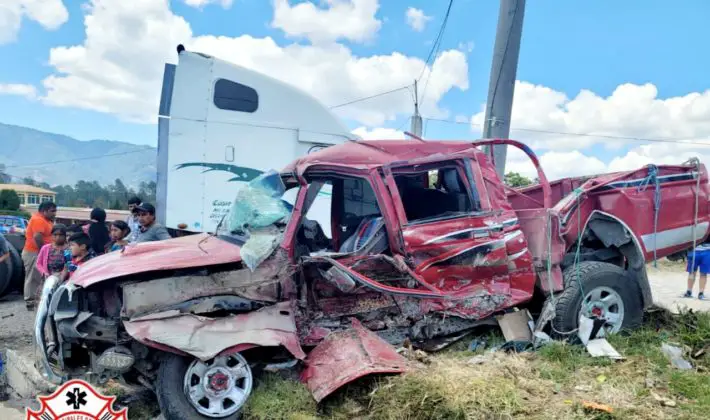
(675, 353)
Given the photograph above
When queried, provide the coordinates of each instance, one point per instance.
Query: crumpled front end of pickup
(205, 337)
(348, 355)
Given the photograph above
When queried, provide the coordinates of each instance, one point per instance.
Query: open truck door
(221, 125)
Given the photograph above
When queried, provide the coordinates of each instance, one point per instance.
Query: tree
(9, 200)
(5, 178)
(515, 180)
(29, 181)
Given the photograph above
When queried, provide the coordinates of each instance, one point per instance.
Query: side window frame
(471, 184)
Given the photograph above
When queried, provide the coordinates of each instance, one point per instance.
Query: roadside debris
(517, 325)
(666, 402)
(596, 347)
(675, 354)
(599, 347)
(592, 406)
(477, 343)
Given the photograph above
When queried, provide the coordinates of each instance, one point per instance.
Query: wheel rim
(604, 303)
(219, 387)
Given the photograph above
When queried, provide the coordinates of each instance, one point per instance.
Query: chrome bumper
(48, 288)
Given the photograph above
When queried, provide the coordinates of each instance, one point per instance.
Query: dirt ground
(16, 324)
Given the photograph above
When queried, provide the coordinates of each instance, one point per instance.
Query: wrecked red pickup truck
(427, 243)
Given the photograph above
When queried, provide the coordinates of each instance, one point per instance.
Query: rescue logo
(76, 400)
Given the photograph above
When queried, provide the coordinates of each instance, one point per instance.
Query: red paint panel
(184, 252)
(345, 356)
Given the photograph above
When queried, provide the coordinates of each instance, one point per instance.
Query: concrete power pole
(416, 126)
(501, 86)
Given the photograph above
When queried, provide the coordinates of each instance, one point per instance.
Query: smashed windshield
(259, 204)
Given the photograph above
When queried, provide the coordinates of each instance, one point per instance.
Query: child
(119, 232)
(50, 259)
(698, 260)
(79, 252)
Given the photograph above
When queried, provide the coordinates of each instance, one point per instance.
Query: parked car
(426, 243)
(13, 225)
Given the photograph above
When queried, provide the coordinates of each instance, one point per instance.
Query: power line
(76, 159)
(437, 40)
(371, 96)
(605, 136)
(435, 48)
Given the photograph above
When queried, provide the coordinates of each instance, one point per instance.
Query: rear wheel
(598, 290)
(189, 389)
(6, 276)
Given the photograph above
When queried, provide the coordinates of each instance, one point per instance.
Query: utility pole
(416, 126)
(501, 86)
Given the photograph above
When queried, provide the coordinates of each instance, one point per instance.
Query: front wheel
(598, 290)
(189, 389)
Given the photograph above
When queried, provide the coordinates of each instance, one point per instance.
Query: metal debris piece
(675, 353)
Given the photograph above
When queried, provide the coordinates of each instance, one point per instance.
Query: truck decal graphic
(240, 172)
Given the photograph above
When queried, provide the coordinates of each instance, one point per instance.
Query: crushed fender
(347, 355)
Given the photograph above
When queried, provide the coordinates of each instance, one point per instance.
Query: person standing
(98, 232)
(37, 234)
(698, 260)
(51, 257)
(118, 233)
(132, 219)
(150, 230)
(79, 252)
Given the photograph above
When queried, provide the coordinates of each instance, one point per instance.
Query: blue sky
(567, 47)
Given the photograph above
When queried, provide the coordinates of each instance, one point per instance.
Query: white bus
(220, 125)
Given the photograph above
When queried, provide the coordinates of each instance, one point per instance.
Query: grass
(280, 399)
(553, 383)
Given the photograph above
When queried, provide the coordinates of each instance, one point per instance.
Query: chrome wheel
(219, 387)
(604, 303)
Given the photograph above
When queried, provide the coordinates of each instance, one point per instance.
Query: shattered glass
(259, 204)
(261, 243)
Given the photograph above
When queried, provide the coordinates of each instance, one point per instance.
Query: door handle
(229, 153)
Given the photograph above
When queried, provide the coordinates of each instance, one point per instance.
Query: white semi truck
(221, 125)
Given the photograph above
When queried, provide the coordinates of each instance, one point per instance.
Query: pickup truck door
(450, 240)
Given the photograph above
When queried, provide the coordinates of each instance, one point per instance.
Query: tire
(592, 278)
(172, 398)
(18, 270)
(6, 276)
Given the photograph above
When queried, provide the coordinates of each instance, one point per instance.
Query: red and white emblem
(76, 400)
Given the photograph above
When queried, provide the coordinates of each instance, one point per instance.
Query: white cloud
(119, 71)
(51, 14)
(632, 111)
(353, 20)
(202, 3)
(416, 18)
(379, 133)
(28, 91)
(555, 164)
(660, 154)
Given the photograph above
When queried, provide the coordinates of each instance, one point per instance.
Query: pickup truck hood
(179, 253)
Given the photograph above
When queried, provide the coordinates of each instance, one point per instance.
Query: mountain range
(62, 160)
